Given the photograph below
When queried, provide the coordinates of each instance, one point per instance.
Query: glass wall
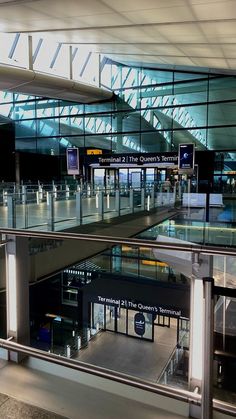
(152, 111)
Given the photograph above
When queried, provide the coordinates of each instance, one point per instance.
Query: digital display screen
(72, 157)
(186, 156)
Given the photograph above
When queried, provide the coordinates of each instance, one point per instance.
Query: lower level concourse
(144, 357)
(123, 310)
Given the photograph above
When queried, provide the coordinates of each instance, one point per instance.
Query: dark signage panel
(159, 298)
(134, 159)
(138, 305)
(186, 156)
(139, 324)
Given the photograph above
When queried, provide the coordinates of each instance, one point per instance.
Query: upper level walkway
(70, 252)
(122, 213)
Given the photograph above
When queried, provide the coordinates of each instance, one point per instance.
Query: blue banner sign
(139, 324)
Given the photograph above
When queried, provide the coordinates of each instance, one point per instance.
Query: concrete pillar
(199, 342)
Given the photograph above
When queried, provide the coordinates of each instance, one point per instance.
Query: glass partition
(109, 304)
(124, 301)
(224, 348)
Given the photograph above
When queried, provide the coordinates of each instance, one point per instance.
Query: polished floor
(136, 357)
(27, 393)
(39, 216)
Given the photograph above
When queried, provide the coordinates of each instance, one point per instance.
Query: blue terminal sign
(139, 324)
(186, 157)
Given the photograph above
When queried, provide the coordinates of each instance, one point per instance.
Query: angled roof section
(29, 82)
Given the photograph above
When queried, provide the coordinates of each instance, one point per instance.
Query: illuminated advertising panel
(72, 158)
(186, 157)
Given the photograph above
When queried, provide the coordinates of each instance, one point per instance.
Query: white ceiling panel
(129, 34)
(179, 32)
(215, 10)
(230, 51)
(185, 32)
(161, 15)
(178, 61)
(103, 19)
(210, 62)
(162, 50)
(133, 5)
(231, 64)
(202, 50)
(62, 8)
(219, 31)
(91, 36)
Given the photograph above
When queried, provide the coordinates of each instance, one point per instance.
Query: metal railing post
(101, 204)
(117, 201)
(143, 199)
(26, 213)
(51, 214)
(131, 200)
(78, 207)
(152, 199)
(23, 196)
(174, 196)
(67, 192)
(11, 212)
(208, 324)
(40, 193)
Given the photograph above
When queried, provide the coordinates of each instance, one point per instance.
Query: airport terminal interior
(117, 209)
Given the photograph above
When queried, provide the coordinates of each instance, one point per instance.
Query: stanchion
(67, 192)
(108, 201)
(68, 351)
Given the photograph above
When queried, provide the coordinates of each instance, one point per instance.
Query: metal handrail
(209, 250)
(224, 407)
(178, 394)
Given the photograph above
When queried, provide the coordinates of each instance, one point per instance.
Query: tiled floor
(11, 408)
